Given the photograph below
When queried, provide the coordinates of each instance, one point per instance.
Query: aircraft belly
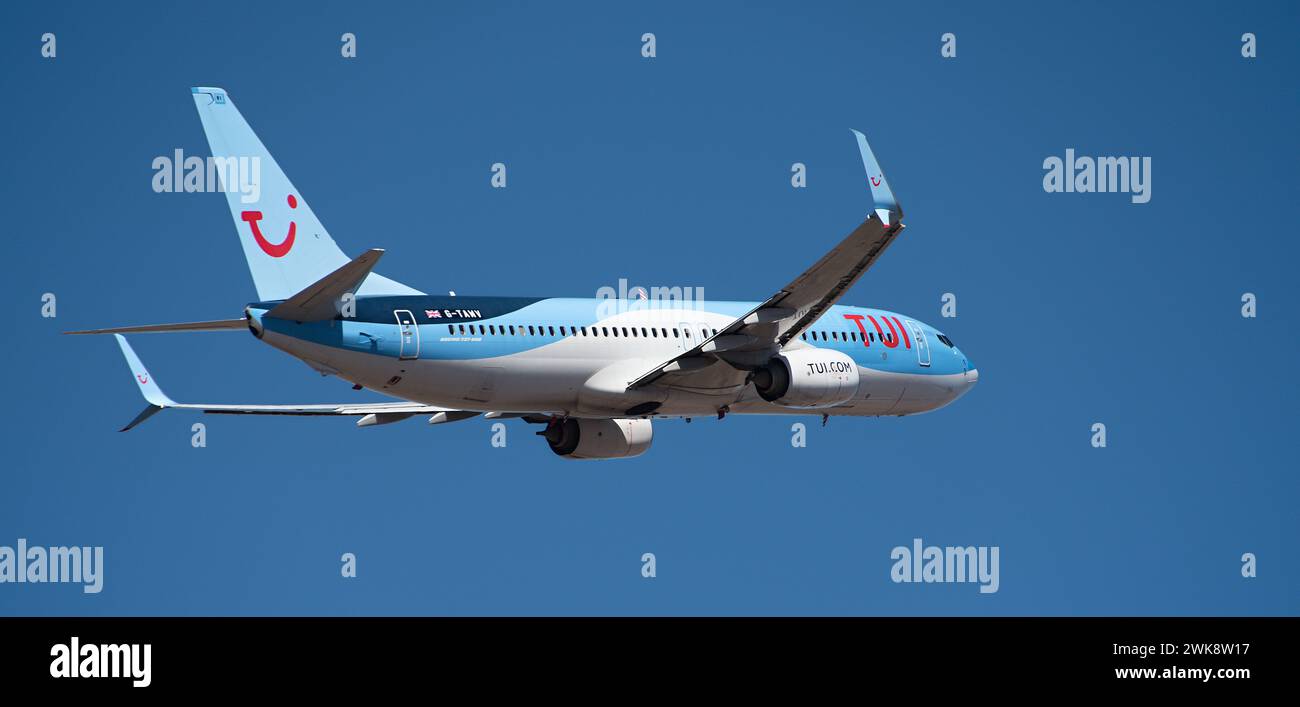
(879, 392)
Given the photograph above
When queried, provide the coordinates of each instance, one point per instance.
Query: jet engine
(807, 378)
(575, 438)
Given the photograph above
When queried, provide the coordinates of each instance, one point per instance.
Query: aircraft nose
(972, 374)
(969, 378)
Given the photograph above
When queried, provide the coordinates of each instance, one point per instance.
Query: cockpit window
(946, 341)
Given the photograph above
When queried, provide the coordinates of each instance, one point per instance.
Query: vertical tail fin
(286, 246)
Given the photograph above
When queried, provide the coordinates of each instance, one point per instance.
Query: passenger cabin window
(451, 328)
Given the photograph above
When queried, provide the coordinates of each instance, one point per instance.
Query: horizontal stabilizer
(324, 299)
(216, 325)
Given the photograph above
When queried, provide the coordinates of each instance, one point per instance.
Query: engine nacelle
(599, 439)
(808, 378)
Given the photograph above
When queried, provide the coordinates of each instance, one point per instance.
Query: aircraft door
(922, 345)
(408, 334)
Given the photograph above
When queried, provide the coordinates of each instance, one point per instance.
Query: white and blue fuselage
(508, 354)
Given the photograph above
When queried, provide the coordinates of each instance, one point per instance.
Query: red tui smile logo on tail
(275, 250)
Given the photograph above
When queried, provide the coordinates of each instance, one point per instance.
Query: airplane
(596, 372)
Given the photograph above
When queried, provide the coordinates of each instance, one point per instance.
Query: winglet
(145, 414)
(885, 204)
(148, 386)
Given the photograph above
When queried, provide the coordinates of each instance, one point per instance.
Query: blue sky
(1077, 308)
